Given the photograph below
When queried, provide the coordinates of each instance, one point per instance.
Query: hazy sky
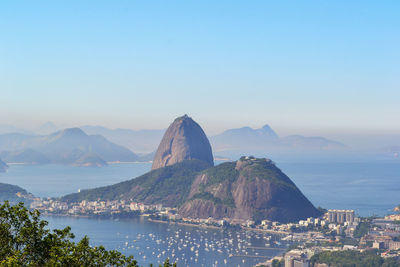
(309, 66)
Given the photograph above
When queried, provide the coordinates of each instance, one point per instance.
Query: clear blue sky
(308, 66)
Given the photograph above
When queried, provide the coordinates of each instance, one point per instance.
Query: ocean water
(370, 188)
(53, 180)
(367, 187)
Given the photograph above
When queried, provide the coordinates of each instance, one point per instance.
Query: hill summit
(247, 189)
(183, 140)
(250, 188)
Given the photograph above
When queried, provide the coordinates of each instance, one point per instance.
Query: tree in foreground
(25, 240)
(353, 259)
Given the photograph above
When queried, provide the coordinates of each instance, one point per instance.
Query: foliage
(208, 196)
(26, 241)
(221, 173)
(8, 192)
(362, 229)
(278, 263)
(171, 185)
(352, 259)
(322, 210)
(155, 185)
(268, 171)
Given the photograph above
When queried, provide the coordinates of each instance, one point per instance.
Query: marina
(152, 242)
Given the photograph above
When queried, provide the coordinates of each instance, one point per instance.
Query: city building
(341, 216)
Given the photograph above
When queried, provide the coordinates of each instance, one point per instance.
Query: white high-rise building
(341, 216)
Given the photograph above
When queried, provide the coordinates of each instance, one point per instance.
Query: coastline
(128, 162)
(183, 223)
(186, 224)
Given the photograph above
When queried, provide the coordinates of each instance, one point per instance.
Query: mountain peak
(72, 132)
(248, 189)
(184, 117)
(183, 140)
(266, 129)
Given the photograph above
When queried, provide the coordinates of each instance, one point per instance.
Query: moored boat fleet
(201, 247)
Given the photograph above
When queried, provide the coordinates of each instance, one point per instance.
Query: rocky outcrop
(249, 189)
(183, 140)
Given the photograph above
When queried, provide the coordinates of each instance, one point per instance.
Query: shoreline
(186, 224)
(128, 162)
(204, 226)
(183, 223)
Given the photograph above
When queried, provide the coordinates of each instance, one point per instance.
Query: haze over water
(367, 187)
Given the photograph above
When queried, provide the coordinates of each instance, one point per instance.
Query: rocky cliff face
(249, 189)
(183, 140)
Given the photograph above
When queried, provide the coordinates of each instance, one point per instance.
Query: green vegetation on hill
(9, 192)
(250, 188)
(25, 240)
(352, 259)
(227, 173)
(362, 229)
(170, 185)
(267, 170)
(210, 197)
(224, 172)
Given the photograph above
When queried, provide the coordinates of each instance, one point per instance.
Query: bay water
(370, 188)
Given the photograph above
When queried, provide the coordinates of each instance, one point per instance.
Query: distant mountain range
(244, 140)
(6, 128)
(69, 146)
(141, 141)
(266, 139)
(244, 137)
(183, 176)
